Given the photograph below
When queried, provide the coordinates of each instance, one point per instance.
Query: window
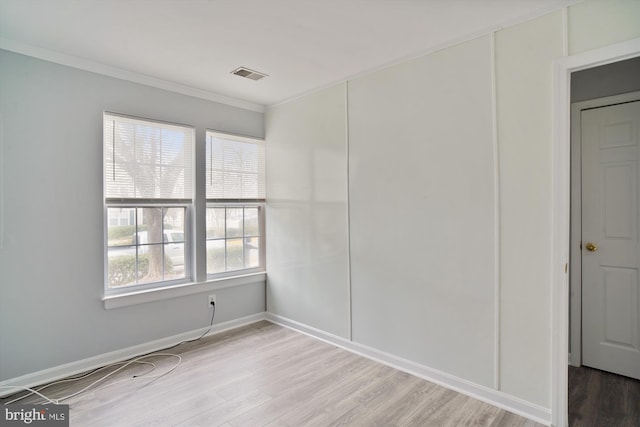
(148, 187)
(235, 190)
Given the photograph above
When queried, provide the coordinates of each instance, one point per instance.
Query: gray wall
(51, 253)
(606, 80)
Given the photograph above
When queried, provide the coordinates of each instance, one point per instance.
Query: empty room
(313, 213)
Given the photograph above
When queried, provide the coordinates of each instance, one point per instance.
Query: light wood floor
(267, 375)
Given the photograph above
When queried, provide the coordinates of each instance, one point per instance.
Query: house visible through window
(235, 191)
(148, 186)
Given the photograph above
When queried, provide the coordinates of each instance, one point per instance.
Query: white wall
(523, 72)
(420, 177)
(421, 185)
(51, 254)
(598, 23)
(307, 242)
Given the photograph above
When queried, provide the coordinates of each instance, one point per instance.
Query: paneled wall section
(421, 182)
(420, 277)
(307, 232)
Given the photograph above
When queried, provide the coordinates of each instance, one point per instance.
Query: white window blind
(147, 160)
(235, 168)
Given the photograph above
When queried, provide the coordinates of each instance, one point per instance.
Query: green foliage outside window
(122, 269)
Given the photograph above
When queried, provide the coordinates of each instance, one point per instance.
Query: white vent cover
(249, 74)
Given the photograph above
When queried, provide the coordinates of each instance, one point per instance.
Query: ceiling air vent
(249, 74)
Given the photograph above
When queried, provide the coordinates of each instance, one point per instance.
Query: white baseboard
(572, 362)
(485, 394)
(494, 397)
(73, 368)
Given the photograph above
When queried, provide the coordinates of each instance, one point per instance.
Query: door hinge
(566, 267)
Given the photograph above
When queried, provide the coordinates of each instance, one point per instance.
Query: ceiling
(302, 45)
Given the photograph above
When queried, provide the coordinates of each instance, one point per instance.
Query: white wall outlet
(212, 299)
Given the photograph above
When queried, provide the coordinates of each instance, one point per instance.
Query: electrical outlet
(212, 299)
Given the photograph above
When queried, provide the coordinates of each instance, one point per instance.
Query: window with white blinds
(147, 160)
(149, 187)
(235, 168)
(235, 190)
(148, 191)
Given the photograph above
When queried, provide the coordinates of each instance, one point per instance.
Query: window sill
(183, 289)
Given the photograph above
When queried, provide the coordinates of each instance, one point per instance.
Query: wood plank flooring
(267, 375)
(602, 399)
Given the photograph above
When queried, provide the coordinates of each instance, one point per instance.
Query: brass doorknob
(591, 247)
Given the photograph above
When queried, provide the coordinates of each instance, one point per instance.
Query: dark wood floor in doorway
(602, 399)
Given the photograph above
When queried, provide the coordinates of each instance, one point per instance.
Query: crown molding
(119, 73)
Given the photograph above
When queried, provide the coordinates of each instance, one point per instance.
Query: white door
(610, 243)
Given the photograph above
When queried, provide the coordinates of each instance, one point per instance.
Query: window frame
(196, 277)
(141, 202)
(188, 253)
(262, 252)
(235, 203)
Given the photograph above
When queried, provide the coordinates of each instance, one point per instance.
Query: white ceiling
(302, 45)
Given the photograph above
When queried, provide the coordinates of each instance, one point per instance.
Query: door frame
(561, 199)
(575, 272)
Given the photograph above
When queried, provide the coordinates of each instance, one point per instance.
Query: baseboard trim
(68, 369)
(494, 397)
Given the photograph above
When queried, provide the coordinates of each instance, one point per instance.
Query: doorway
(603, 323)
(560, 251)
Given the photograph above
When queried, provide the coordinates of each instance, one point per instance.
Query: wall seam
(433, 49)
(565, 31)
(346, 113)
(1, 182)
(496, 207)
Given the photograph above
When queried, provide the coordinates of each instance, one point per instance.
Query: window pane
(232, 155)
(235, 256)
(252, 252)
(174, 261)
(233, 238)
(215, 256)
(154, 254)
(215, 223)
(147, 159)
(173, 224)
(249, 157)
(251, 222)
(175, 236)
(250, 185)
(150, 225)
(150, 263)
(121, 226)
(232, 185)
(234, 222)
(121, 266)
(235, 167)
